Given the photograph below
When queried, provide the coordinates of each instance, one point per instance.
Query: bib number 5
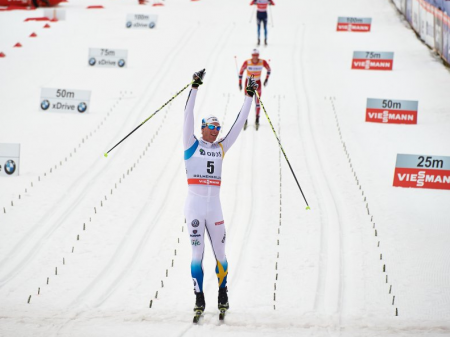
(210, 167)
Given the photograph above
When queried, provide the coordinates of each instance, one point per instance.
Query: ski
(197, 316)
(222, 314)
(245, 125)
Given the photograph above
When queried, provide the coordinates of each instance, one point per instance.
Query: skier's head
(210, 128)
(255, 55)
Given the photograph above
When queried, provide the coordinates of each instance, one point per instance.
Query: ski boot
(257, 123)
(259, 42)
(265, 42)
(199, 306)
(223, 304)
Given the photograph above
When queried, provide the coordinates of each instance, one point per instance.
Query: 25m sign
(422, 171)
(369, 60)
(391, 111)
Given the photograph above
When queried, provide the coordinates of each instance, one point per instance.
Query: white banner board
(112, 58)
(65, 100)
(9, 159)
(141, 21)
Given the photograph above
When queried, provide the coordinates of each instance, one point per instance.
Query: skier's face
(255, 58)
(210, 135)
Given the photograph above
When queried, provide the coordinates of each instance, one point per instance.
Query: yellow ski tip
(308, 208)
(106, 155)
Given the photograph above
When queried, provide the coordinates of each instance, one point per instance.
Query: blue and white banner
(9, 159)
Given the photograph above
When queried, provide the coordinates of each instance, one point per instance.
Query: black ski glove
(240, 86)
(198, 78)
(252, 86)
(266, 81)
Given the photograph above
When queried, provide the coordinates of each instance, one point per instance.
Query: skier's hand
(198, 78)
(240, 86)
(266, 81)
(252, 86)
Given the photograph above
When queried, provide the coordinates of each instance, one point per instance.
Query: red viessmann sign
(421, 171)
(369, 60)
(391, 111)
(346, 24)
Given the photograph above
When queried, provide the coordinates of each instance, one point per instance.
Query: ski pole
(235, 62)
(253, 14)
(179, 92)
(271, 18)
(282, 150)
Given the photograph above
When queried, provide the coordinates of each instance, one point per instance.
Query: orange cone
(17, 45)
(47, 25)
(2, 54)
(33, 35)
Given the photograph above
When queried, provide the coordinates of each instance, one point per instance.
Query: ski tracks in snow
(329, 288)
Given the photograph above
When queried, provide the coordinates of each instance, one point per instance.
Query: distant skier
(254, 67)
(203, 160)
(261, 16)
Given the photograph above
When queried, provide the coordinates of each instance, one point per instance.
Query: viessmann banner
(370, 60)
(348, 24)
(422, 171)
(391, 111)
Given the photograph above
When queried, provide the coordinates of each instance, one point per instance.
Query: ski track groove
(33, 236)
(332, 303)
(122, 272)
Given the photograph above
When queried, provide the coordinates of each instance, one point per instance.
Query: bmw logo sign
(92, 61)
(82, 107)
(121, 63)
(195, 223)
(45, 105)
(151, 25)
(10, 167)
(128, 24)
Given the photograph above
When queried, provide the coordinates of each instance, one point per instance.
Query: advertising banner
(438, 14)
(368, 60)
(422, 171)
(141, 21)
(9, 159)
(391, 111)
(65, 100)
(415, 15)
(113, 58)
(347, 24)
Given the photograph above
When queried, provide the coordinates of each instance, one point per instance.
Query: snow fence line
(103, 201)
(82, 142)
(430, 23)
(369, 214)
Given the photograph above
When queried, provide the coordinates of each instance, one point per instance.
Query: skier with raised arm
(203, 211)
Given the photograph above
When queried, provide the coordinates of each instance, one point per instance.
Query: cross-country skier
(254, 68)
(261, 16)
(203, 160)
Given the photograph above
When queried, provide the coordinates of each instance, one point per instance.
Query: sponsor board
(369, 60)
(347, 24)
(9, 159)
(65, 100)
(422, 171)
(141, 21)
(391, 111)
(112, 58)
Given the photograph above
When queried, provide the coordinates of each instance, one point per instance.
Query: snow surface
(113, 227)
